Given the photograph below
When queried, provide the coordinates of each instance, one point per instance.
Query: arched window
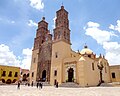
(56, 54)
(16, 74)
(113, 75)
(93, 66)
(55, 73)
(10, 74)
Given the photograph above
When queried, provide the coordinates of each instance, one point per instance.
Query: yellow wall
(115, 69)
(8, 69)
(106, 71)
(87, 76)
(34, 65)
(63, 51)
(86, 73)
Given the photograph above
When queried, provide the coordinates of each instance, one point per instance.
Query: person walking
(37, 84)
(18, 84)
(41, 85)
(32, 84)
(56, 84)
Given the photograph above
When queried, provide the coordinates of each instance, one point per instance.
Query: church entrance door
(70, 75)
(44, 75)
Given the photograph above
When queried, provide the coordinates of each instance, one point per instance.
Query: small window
(93, 66)
(113, 75)
(89, 56)
(16, 74)
(4, 73)
(42, 41)
(10, 74)
(55, 73)
(56, 55)
(32, 74)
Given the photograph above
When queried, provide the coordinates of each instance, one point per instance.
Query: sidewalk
(11, 90)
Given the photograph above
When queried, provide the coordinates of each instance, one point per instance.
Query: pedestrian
(28, 84)
(32, 84)
(41, 85)
(18, 84)
(56, 84)
(37, 84)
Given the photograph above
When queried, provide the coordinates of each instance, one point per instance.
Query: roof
(86, 50)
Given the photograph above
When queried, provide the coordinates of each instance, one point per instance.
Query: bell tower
(61, 46)
(62, 31)
(41, 54)
(41, 32)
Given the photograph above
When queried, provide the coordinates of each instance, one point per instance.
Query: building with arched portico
(9, 74)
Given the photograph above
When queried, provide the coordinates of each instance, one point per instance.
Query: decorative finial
(62, 7)
(85, 46)
(103, 56)
(100, 55)
(43, 18)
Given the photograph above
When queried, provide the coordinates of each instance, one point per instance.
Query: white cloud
(54, 22)
(37, 4)
(93, 24)
(26, 62)
(112, 52)
(115, 27)
(112, 27)
(112, 47)
(99, 35)
(103, 37)
(7, 57)
(32, 23)
(12, 22)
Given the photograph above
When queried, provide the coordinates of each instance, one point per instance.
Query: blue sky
(94, 22)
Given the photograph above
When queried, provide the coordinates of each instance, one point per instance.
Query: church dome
(86, 50)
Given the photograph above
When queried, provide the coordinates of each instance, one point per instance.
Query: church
(53, 60)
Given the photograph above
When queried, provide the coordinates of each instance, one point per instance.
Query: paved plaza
(11, 90)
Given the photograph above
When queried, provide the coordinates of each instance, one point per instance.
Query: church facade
(53, 60)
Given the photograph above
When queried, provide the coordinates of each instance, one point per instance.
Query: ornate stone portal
(70, 72)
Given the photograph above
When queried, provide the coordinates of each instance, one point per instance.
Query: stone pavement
(11, 90)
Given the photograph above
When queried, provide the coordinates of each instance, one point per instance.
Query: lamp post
(100, 67)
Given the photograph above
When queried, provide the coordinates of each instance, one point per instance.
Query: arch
(24, 77)
(3, 80)
(70, 75)
(44, 75)
(28, 75)
(14, 81)
(8, 81)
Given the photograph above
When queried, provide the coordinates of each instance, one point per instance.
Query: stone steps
(46, 83)
(69, 85)
(106, 85)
